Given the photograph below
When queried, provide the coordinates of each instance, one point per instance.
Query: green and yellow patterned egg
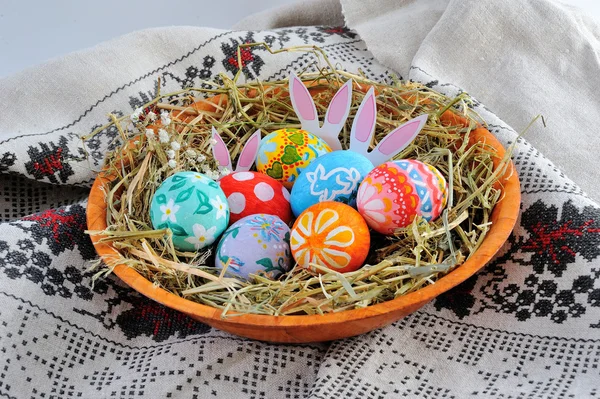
(285, 152)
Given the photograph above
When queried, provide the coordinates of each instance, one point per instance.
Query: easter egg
(394, 193)
(283, 154)
(249, 193)
(193, 206)
(256, 244)
(334, 176)
(330, 234)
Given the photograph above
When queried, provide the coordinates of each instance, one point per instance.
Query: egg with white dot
(250, 193)
(243, 176)
(255, 244)
(237, 203)
(394, 193)
(264, 192)
(193, 207)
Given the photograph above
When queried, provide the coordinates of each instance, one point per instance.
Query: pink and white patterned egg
(394, 193)
(250, 193)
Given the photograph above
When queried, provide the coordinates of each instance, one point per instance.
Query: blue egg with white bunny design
(331, 177)
(193, 206)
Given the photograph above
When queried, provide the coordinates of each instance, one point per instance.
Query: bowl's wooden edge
(504, 218)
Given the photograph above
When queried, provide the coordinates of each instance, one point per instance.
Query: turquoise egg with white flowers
(193, 206)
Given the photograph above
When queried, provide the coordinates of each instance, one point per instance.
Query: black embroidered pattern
(105, 140)
(459, 300)
(62, 228)
(251, 62)
(195, 75)
(341, 31)
(8, 159)
(549, 247)
(149, 318)
(49, 161)
(554, 243)
(25, 260)
(318, 35)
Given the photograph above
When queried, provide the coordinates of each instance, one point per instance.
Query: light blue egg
(193, 206)
(255, 244)
(331, 177)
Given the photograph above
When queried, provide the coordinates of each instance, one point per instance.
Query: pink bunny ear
(303, 104)
(336, 116)
(397, 140)
(220, 151)
(249, 152)
(363, 126)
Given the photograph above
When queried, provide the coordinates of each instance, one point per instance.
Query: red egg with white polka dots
(250, 193)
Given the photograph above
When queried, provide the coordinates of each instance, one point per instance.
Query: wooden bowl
(331, 326)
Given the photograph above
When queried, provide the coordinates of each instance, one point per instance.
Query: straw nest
(416, 256)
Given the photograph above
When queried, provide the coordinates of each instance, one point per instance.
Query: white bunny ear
(220, 151)
(363, 126)
(397, 140)
(336, 116)
(249, 152)
(303, 105)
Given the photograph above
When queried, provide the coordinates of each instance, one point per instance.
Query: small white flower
(225, 172)
(213, 141)
(165, 118)
(163, 136)
(150, 134)
(152, 116)
(169, 211)
(170, 154)
(136, 114)
(206, 169)
(172, 164)
(202, 237)
(201, 158)
(190, 153)
(175, 145)
(220, 206)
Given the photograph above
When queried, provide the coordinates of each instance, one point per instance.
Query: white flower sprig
(165, 118)
(225, 172)
(163, 136)
(190, 153)
(210, 173)
(135, 117)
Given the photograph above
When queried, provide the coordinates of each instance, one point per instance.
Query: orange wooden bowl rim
(315, 328)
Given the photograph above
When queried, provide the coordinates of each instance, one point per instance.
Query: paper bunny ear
(247, 156)
(220, 151)
(363, 125)
(303, 104)
(249, 152)
(397, 140)
(336, 115)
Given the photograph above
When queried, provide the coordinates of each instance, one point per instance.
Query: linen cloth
(527, 325)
